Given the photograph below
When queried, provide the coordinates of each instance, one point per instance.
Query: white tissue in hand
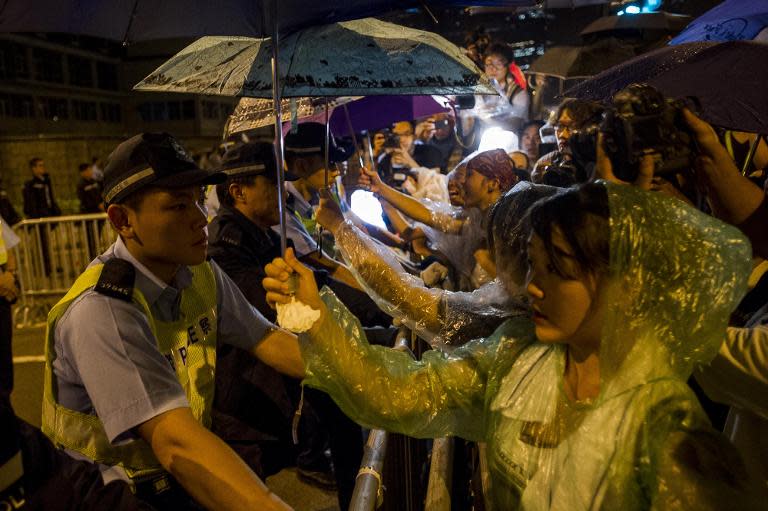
(296, 316)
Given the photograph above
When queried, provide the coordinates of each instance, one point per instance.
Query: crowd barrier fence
(369, 493)
(52, 253)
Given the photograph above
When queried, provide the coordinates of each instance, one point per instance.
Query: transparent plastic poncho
(642, 443)
(445, 319)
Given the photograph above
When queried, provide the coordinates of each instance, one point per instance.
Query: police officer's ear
(302, 167)
(236, 192)
(120, 218)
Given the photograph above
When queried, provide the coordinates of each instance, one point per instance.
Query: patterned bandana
(495, 164)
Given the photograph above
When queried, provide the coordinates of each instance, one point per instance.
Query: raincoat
(642, 443)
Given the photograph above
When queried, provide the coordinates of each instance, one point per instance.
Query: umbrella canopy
(377, 112)
(364, 113)
(731, 20)
(141, 20)
(253, 113)
(728, 79)
(663, 21)
(355, 58)
(582, 61)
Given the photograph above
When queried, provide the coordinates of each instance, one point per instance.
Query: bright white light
(497, 138)
(620, 13)
(633, 9)
(367, 207)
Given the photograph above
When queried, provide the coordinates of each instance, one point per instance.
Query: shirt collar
(300, 203)
(147, 282)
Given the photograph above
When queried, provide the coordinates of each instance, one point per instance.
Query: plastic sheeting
(642, 443)
(443, 318)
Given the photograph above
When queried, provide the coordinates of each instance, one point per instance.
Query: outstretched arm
(733, 197)
(409, 206)
(379, 387)
(405, 296)
(204, 465)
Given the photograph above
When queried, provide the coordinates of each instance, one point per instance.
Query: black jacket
(38, 198)
(7, 211)
(89, 193)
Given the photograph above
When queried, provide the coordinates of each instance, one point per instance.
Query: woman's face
(496, 67)
(564, 308)
(530, 141)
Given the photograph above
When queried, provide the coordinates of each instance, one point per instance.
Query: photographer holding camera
(570, 116)
(437, 131)
(401, 155)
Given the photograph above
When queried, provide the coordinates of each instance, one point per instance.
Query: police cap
(155, 159)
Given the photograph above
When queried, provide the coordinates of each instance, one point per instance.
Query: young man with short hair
(131, 348)
(38, 192)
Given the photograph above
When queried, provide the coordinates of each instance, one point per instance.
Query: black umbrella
(582, 61)
(657, 21)
(141, 20)
(728, 80)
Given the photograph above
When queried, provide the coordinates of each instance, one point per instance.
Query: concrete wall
(62, 157)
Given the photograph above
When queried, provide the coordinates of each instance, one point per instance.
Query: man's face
(563, 130)
(38, 169)
(406, 136)
(260, 202)
(170, 227)
(87, 173)
(316, 180)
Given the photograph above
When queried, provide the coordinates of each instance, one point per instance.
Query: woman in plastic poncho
(584, 405)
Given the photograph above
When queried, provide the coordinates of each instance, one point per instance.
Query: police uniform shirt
(107, 362)
(303, 242)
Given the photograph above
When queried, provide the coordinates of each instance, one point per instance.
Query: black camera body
(391, 140)
(441, 124)
(640, 120)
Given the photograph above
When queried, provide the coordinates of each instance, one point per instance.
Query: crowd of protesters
(576, 321)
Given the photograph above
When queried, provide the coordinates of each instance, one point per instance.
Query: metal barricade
(52, 253)
(368, 494)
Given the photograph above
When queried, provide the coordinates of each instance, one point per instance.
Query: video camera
(640, 121)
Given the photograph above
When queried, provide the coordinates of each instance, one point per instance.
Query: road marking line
(29, 358)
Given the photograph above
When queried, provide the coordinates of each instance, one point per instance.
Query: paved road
(28, 394)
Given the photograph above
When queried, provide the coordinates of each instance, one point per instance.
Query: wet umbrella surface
(357, 58)
(728, 80)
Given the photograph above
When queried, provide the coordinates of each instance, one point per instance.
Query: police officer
(89, 191)
(34, 475)
(254, 404)
(242, 244)
(131, 348)
(38, 196)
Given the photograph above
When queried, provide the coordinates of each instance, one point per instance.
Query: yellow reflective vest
(189, 344)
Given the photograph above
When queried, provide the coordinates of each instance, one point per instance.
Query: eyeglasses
(494, 64)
